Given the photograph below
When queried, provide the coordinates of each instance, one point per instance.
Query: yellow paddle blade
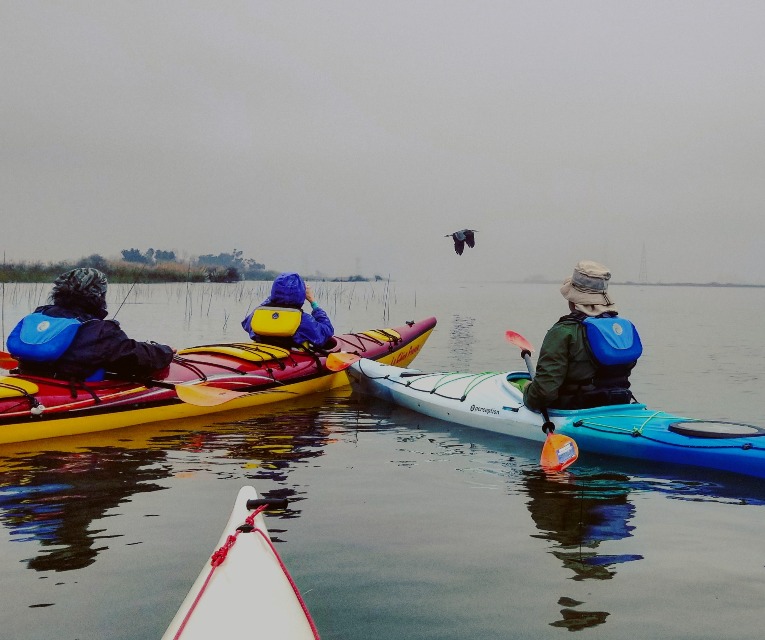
(337, 361)
(201, 395)
(558, 452)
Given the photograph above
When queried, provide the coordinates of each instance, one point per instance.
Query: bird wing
(470, 238)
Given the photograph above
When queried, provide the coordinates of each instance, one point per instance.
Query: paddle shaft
(558, 451)
(548, 427)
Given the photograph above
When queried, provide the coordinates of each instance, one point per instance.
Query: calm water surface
(400, 525)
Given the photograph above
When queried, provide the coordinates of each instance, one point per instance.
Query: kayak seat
(518, 379)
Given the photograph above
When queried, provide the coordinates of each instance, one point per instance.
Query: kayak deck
(245, 587)
(491, 401)
(200, 380)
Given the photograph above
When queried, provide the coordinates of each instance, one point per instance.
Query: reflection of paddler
(577, 512)
(582, 511)
(64, 493)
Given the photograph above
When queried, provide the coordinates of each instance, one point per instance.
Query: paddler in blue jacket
(280, 318)
(70, 339)
(587, 356)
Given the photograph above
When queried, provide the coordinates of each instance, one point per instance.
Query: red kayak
(201, 380)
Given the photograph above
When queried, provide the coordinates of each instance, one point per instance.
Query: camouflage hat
(84, 282)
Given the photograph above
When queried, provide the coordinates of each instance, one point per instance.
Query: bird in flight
(462, 238)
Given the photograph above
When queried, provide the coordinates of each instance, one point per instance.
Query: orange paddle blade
(558, 452)
(518, 340)
(337, 361)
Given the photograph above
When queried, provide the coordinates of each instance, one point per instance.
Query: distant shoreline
(663, 284)
(692, 284)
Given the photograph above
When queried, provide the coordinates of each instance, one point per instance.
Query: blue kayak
(492, 402)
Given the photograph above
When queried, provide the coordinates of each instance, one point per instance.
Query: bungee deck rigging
(200, 380)
(491, 401)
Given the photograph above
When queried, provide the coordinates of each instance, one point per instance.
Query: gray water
(399, 525)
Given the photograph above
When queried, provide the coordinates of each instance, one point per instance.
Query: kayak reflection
(59, 499)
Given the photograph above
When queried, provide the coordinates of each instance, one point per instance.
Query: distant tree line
(152, 265)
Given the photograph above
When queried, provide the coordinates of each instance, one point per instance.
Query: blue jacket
(99, 344)
(288, 290)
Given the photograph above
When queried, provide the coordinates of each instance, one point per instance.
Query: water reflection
(54, 497)
(461, 343)
(57, 498)
(578, 513)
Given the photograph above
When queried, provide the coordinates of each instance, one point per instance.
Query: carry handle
(270, 503)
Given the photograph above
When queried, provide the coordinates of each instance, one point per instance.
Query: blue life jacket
(42, 338)
(612, 340)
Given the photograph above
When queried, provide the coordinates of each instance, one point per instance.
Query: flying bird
(462, 238)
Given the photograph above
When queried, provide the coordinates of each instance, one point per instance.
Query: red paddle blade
(7, 361)
(339, 360)
(558, 452)
(518, 340)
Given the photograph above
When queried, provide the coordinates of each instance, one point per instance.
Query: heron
(461, 238)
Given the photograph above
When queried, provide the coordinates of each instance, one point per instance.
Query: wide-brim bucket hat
(588, 285)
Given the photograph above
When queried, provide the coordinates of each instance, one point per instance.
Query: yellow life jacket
(276, 322)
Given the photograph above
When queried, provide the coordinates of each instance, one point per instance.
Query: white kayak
(492, 402)
(249, 593)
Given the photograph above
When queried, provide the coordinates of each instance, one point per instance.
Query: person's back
(280, 318)
(70, 339)
(569, 373)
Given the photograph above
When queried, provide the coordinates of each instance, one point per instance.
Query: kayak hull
(250, 374)
(490, 401)
(248, 593)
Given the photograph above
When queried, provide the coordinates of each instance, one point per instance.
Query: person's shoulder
(54, 311)
(569, 320)
(104, 328)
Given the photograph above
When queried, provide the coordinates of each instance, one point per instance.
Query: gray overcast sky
(346, 136)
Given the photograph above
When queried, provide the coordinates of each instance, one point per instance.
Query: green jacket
(564, 362)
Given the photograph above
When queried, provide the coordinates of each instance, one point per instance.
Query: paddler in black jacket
(74, 324)
(568, 373)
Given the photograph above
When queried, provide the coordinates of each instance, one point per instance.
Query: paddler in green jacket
(568, 376)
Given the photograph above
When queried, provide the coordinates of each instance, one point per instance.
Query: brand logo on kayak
(617, 329)
(43, 326)
(488, 410)
(407, 355)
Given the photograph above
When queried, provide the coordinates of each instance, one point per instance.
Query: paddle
(340, 360)
(558, 451)
(202, 395)
(7, 361)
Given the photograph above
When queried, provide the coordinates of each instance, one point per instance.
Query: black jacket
(99, 344)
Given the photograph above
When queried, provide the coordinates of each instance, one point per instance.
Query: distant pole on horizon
(643, 275)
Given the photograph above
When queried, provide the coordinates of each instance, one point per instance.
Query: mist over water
(399, 525)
